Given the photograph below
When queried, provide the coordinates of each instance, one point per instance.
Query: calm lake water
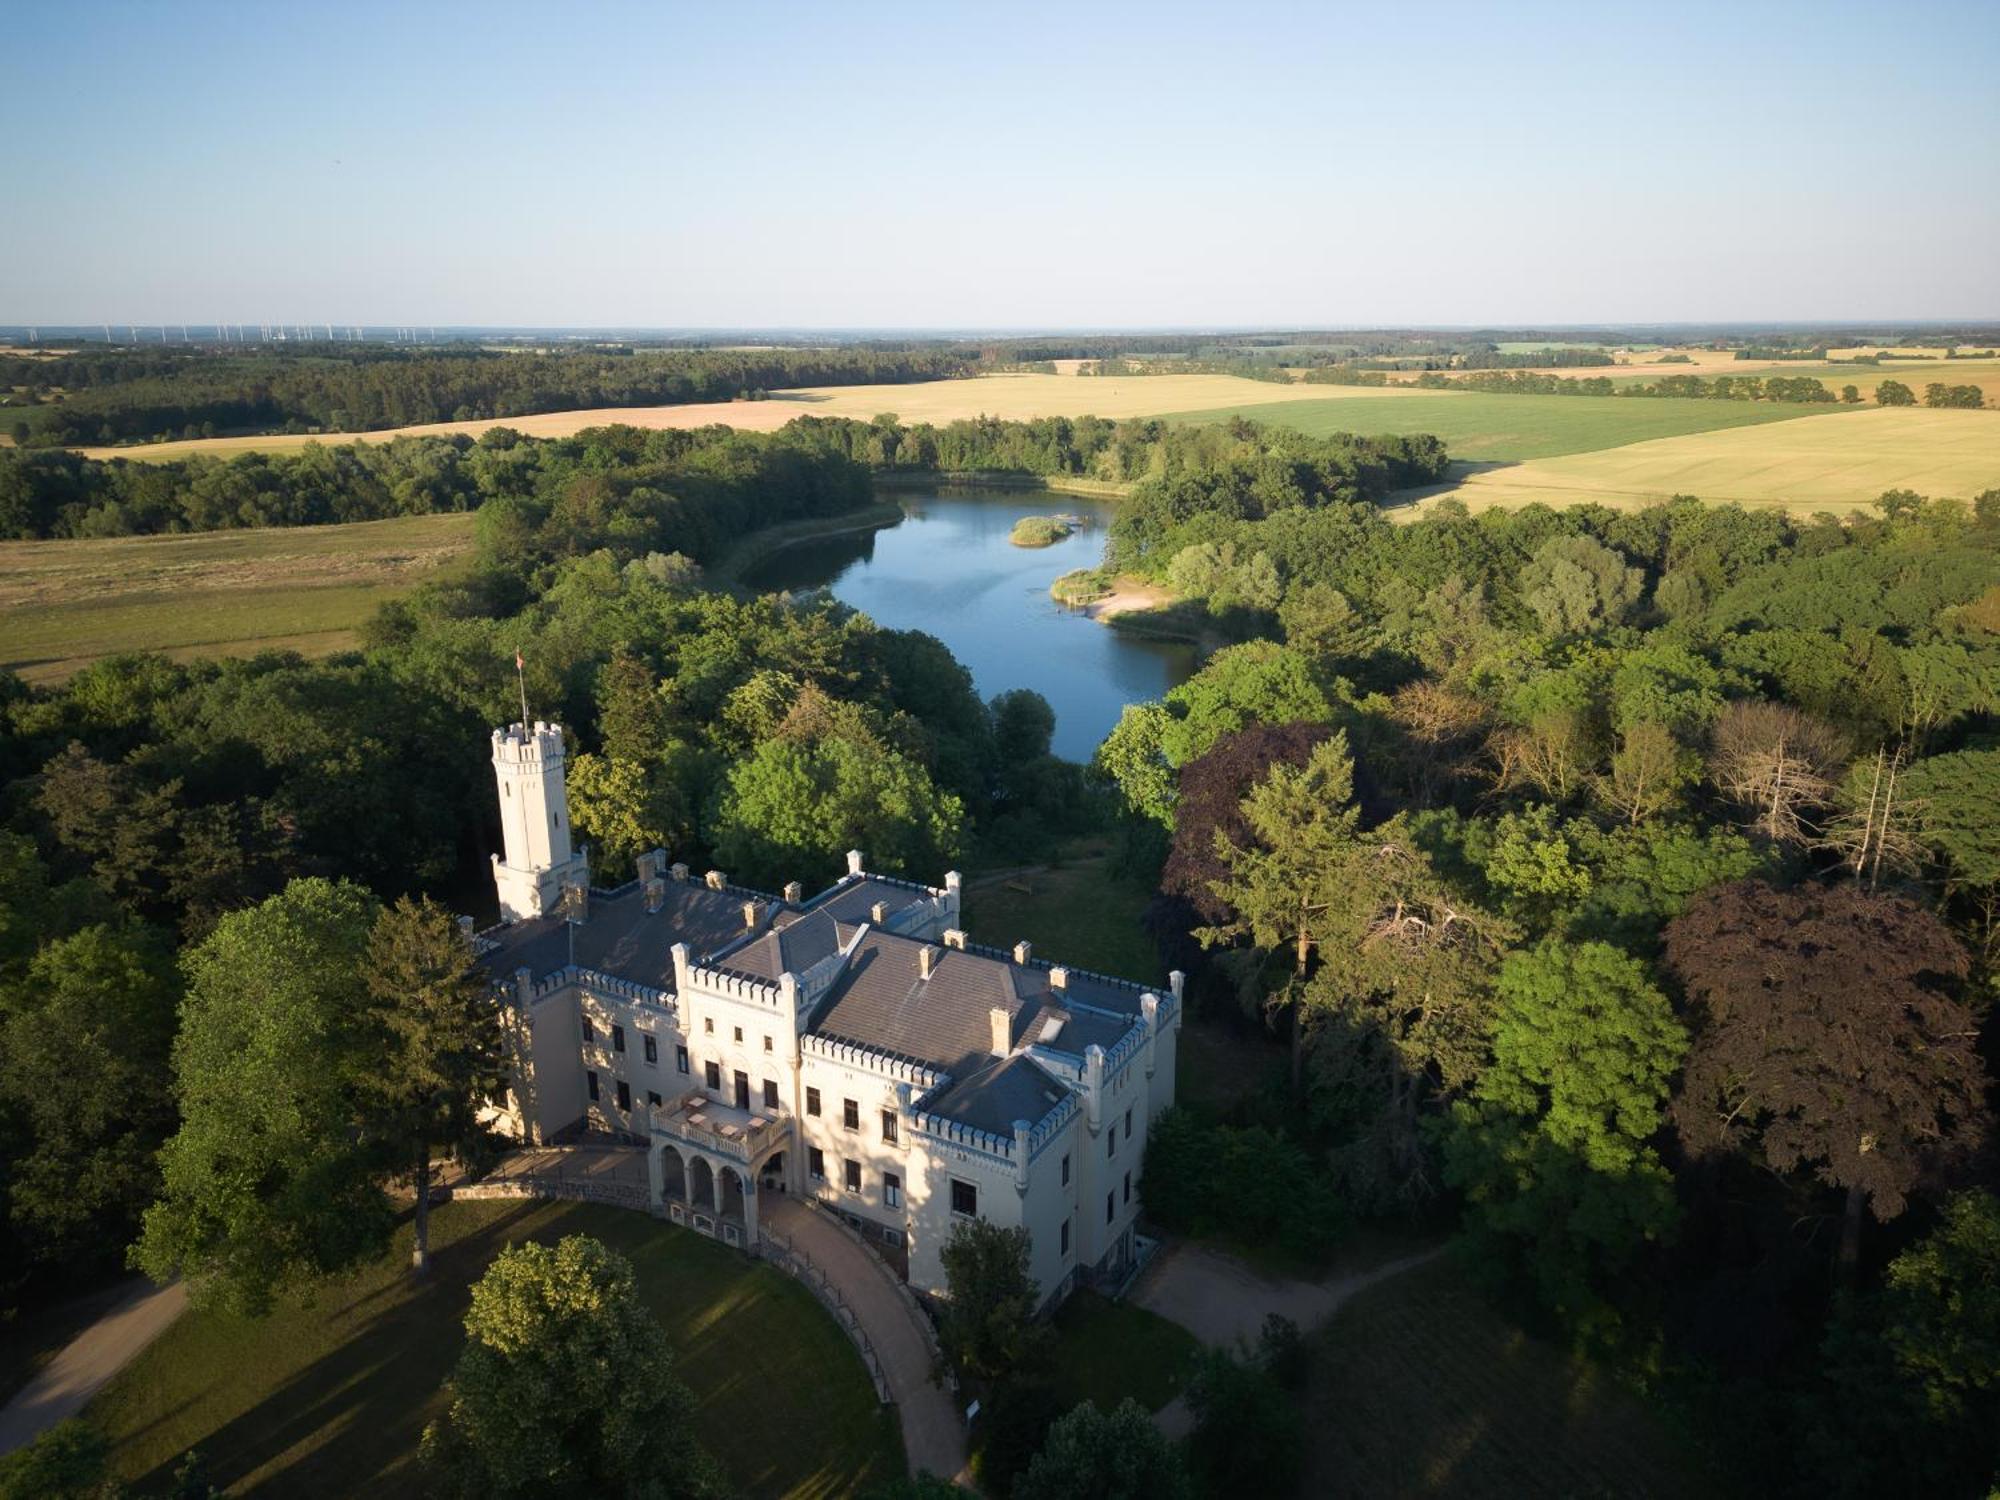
(948, 568)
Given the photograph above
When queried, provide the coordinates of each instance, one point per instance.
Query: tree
(1778, 765)
(95, 1010)
(988, 1329)
(1092, 1455)
(1894, 393)
(68, 1462)
(441, 1048)
(1552, 1148)
(1576, 584)
(1212, 788)
(1248, 1438)
(566, 1386)
(268, 1180)
(1827, 1034)
(1649, 772)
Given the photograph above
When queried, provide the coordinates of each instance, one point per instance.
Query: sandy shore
(1126, 595)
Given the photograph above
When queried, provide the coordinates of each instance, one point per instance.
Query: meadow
(330, 1398)
(1478, 426)
(303, 588)
(1838, 464)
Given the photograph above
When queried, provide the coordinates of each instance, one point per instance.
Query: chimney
(656, 894)
(794, 893)
(678, 872)
(750, 914)
(1176, 981)
(879, 913)
(648, 865)
(854, 861)
(1059, 978)
(465, 928)
(927, 957)
(1002, 1024)
(954, 937)
(717, 880)
(1023, 951)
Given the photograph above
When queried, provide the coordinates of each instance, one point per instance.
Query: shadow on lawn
(351, 1419)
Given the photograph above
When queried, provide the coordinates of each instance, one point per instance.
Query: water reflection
(949, 569)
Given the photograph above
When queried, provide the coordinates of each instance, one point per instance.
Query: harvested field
(1837, 464)
(1008, 396)
(213, 593)
(1478, 426)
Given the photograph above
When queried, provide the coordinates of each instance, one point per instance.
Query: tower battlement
(534, 822)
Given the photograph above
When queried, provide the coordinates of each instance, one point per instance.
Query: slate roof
(855, 897)
(998, 1095)
(622, 938)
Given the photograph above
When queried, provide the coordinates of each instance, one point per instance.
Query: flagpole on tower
(521, 676)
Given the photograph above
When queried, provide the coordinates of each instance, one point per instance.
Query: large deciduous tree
(1552, 1150)
(1212, 788)
(1778, 765)
(1576, 583)
(988, 1330)
(441, 1047)
(1095, 1455)
(566, 1387)
(269, 1179)
(1827, 1035)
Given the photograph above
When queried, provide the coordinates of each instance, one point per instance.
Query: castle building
(854, 1045)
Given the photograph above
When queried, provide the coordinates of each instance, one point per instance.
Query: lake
(948, 568)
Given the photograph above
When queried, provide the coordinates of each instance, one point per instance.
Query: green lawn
(331, 1399)
(1080, 912)
(1106, 1351)
(1420, 1388)
(1475, 425)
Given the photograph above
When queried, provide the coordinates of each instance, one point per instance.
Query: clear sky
(998, 164)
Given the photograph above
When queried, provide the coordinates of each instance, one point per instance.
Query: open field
(1708, 363)
(1839, 464)
(1478, 426)
(304, 588)
(1009, 396)
(1420, 1389)
(331, 1399)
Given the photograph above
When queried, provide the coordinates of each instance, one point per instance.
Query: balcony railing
(744, 1135)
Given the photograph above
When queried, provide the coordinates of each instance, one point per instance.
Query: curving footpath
(933, 1436)
(64, 1386)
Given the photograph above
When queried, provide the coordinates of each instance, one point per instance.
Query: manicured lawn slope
(1474, 425)
(1420, 1388)
(331, 1399)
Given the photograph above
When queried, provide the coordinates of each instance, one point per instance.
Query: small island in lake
(1042, 531)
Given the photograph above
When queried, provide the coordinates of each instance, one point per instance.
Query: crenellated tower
(534, 822)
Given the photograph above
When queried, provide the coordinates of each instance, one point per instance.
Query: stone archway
(729, 1184)
(701, 1185)
(673, 1176)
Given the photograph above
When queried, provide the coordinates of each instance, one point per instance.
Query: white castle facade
(854, 1046)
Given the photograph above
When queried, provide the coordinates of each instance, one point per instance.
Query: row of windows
(708, 1029)
(850, 1116)
(624, 1092)
(850, 1177)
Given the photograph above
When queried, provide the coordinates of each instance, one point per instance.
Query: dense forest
(125, 395)
(1628, 888)
(1625, 886)
(56, 493)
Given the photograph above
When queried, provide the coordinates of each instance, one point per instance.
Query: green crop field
(1479, 426)
(302, 588)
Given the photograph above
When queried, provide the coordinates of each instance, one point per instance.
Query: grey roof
(854, 899)
(998, 1095)
(882, 1000)
(795, 941)
(621, 937)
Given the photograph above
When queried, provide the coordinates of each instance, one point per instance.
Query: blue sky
(998, 165)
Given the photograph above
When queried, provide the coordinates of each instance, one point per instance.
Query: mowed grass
(1837, 464)
(1476, 426)
(1014, 397)
(305, 588)
(1421, 1389)
(1107, 1351)
(1081, 913)
(332, 1399)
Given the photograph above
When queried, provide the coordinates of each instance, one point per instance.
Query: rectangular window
(589, 1032)
(652, 1048)
(624, 1096)
(1128, 1187)
(739, 1033)
(681, 1058)
(1065, 1237)
(767, 1044)
(851, 1173)
(816, 1163)
(892, 1190)
(590, 1082)
(712, 1071)
(742, 1089)
(1128, 1124)
(618, 1039)
(964, 1198)
(652, 1099)
(889, 1126)
(812, 1101)
(1111, 1142)
(1110, 1207)
(850, 1114)
(1065, 1181)
(770, 1093)
(708, 1024)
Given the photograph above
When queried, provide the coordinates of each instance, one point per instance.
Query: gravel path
(67, 1383)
